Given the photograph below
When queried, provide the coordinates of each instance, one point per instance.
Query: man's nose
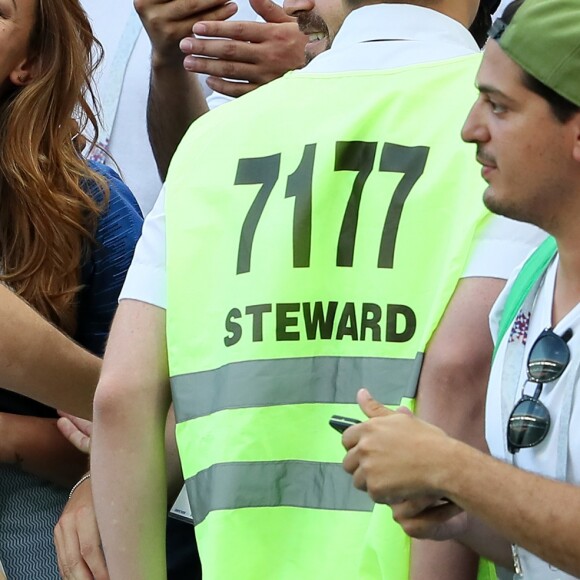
(474, 129)
(295, 7)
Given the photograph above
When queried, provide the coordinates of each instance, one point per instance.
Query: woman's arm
(36, 446)
(38, 361)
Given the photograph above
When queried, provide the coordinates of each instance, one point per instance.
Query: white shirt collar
(402, 22)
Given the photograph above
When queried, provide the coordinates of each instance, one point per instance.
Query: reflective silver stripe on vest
(303, 484)
(293, 381)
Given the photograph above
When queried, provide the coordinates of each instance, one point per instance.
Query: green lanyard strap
(531, 271)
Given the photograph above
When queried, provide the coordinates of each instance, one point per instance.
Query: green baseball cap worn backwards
(544, 39)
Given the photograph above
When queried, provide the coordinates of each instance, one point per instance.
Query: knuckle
(400, 515)
(161, 28)
(238, 29)
(87, 549)
(372, 488)
(156, 23)
(364, 445)
(281, 33)
(82, 513)
(63, 522)
(230, 50)
(229, 69)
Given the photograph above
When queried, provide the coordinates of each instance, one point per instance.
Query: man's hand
(77, 539)
(254, 52)
(394, 456)
(78, 431)
(430, 518)
(168, 21)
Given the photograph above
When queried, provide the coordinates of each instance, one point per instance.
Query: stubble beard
(309, 21)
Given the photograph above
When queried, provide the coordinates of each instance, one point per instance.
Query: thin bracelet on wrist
(78, 483)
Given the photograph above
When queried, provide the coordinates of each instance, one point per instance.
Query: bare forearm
(456, 369)
(536, 513)
(37, 447)
(453, 560)
(40, 362)
(129, 490)
(487, 542)
(128, 447)
(175, 101)
(453, 383)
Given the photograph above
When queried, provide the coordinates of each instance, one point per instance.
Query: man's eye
(496, 108)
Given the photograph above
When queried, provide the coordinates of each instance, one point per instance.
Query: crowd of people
(352, 208)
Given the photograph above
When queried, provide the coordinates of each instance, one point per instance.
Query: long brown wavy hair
(47, 221)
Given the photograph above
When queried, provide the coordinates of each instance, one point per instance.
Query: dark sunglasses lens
(548, 358)
(529, 423)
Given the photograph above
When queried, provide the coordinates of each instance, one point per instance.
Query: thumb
(270, 11)
(369, 406)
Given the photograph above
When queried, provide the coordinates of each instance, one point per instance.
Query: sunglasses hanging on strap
(529, 421)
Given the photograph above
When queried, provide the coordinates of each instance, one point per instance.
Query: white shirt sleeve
(146, 278)
(500, 246)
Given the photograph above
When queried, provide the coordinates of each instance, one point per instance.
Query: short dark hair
(480, 25)
(561, 108)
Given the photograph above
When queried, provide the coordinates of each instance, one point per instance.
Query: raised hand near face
(254, 53)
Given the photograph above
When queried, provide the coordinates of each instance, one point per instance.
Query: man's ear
(25, 72)
(575, 125)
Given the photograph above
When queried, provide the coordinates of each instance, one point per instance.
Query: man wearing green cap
(526, 125)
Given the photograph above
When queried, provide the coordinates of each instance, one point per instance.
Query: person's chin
(313, 49)
(494, 202)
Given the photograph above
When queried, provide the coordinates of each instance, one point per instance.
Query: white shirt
(420, 35)
(543, 458)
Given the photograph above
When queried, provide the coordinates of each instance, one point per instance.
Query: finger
(212, 11)
(359, 479)
(370, 406)
(90, 547)
(352, 435)
(350, 463)
(178, 13)
(230, 88)
(405, 411)
(270, 11)
(229, 50)
(226, 69)
(435, 523)
(77, 438)
(235, 30)
(83, 425)
(413, 507)
(71, 564)
(219, 13)
(59, 546)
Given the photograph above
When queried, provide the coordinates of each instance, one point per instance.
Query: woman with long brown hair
(67, 234)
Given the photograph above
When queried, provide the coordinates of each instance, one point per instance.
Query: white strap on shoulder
(112, 84)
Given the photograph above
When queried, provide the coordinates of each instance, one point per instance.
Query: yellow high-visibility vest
(314, 239)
